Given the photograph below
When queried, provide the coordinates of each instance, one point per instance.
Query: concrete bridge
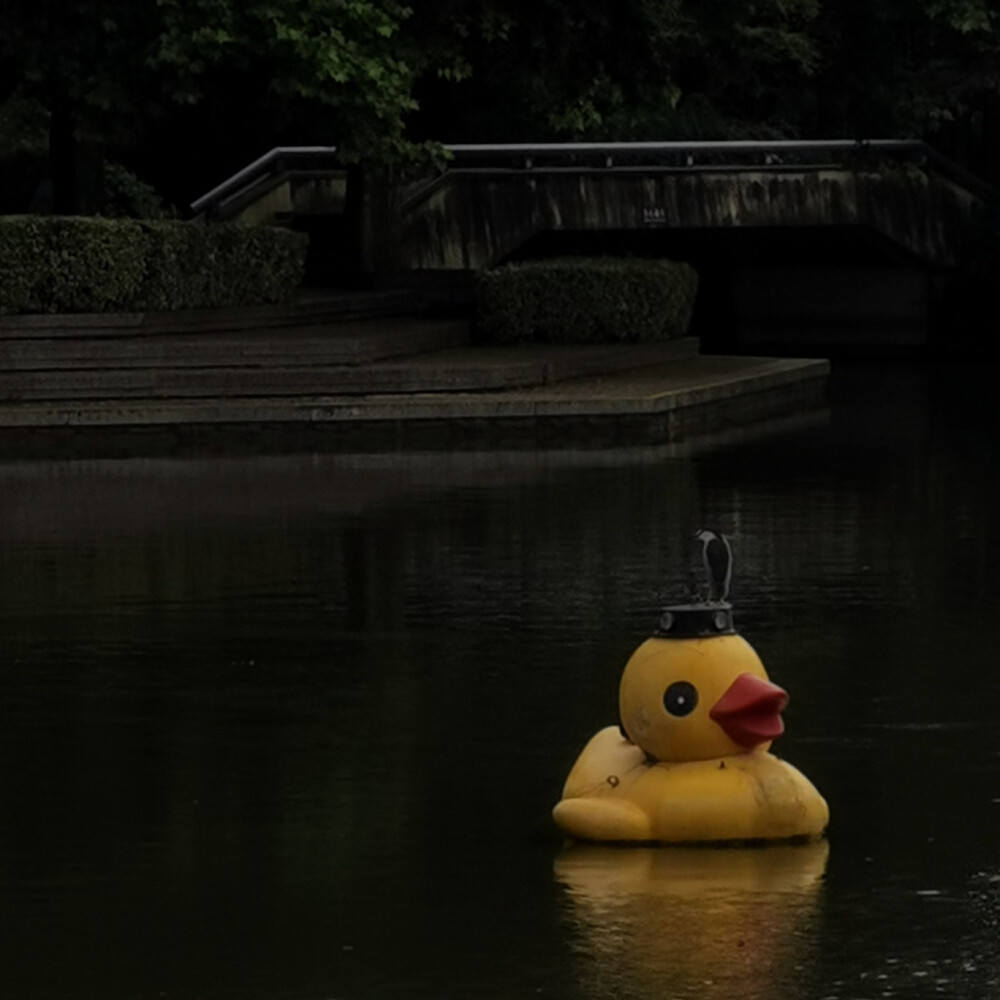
(798, 232)
(494, 199)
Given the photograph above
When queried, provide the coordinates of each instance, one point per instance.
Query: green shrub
(47, 263)
(23, 263)
(586, 300)
(176, 263)
(56, 264)
(94, 264)
(126, 196)
(251, 264)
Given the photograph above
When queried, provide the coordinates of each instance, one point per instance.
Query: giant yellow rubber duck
(690, 761)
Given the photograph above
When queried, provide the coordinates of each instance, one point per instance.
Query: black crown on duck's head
(711, 613)
(691, 621)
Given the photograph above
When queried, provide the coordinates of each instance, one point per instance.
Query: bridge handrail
(275, 161)
(731, 151)
(712, 145)
(278, 161)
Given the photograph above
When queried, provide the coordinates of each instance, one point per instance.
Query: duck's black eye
(680, 698)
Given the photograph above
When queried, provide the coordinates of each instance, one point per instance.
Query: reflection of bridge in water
(811, 232)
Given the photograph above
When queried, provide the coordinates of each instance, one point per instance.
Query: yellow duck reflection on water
(682, 922)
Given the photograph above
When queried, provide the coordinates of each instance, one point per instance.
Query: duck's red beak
(750, 711)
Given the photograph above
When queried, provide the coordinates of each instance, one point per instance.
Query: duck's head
(699, 697)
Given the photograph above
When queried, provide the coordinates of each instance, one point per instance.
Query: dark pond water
(292, 727)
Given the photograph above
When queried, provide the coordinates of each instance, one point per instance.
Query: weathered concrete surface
(659, 388)
(308, 308)
(475, 218)
(665, 402)
(115, 385)
(319, 343)
(303, 367)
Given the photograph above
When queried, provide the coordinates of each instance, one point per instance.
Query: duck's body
(699, 715)
(616, 793)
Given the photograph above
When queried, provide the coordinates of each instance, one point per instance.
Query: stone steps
(321, 342)
(310, 308)
(416, 357)
(353, 372)
(668, 402)
(349, 343)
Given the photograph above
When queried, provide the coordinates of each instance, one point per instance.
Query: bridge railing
(278, 164)
(256, 178)
(712, 155)
(676, 154)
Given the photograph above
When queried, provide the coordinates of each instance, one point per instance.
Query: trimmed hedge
(65, 265)
(586, 300)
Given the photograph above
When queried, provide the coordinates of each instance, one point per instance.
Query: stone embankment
(359, 371)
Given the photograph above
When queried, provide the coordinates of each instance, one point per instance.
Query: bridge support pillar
(371, 227)
(380, 224)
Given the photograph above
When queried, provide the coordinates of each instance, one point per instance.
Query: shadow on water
(292, 727)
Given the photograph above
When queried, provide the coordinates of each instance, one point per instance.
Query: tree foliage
(192, 88)
(128, 72)
(649, 68)
(89, 53)
(346, 56)
(902, 67)
(662, 69)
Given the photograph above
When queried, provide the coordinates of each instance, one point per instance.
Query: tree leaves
(356, 70)
(345, 55)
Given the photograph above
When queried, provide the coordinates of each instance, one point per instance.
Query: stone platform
(344, 380)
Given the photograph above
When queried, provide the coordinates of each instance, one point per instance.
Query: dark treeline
(103, 93)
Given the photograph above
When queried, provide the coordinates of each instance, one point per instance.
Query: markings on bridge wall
(654, 216)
